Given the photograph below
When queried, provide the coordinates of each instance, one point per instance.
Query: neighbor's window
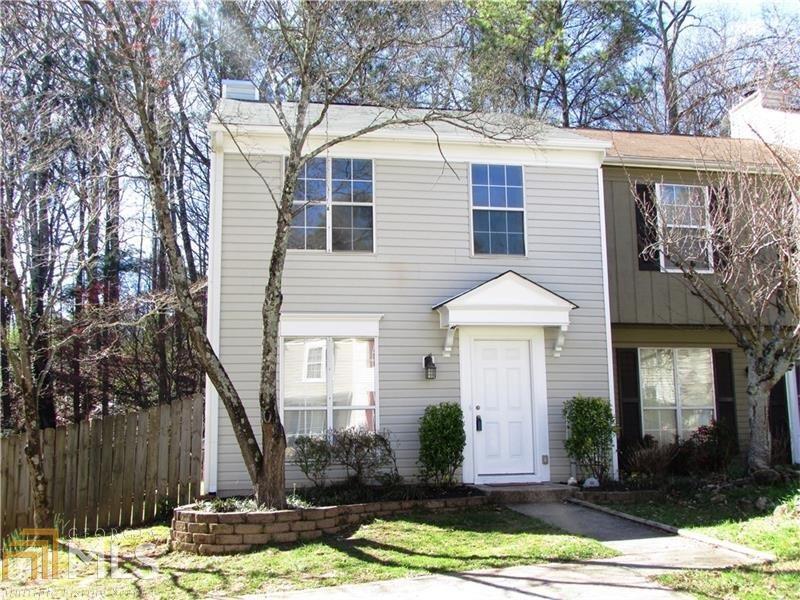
(341, 187)
(684, 210)
(344, 394)
(677, 391)
(314, 367)
(498, 209)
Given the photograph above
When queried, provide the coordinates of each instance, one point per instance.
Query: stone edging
(767, 557)
(622, 497)
(203, 532)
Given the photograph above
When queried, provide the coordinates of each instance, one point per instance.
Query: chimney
(238, 89)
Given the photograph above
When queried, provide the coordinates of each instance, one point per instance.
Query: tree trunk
(160, 285)
(28, 384)
(271, 487)
(759, 453)
(40, 280)
(42, 513)
(110, 266)
(5, 382)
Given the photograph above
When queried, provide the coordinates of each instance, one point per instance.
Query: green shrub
(365, 455)
(590, 426)
(231, 504)
(650, 463)
(442, 440)
(313, 454)
(710, 449)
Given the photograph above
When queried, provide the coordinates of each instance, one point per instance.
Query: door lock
(478, 423)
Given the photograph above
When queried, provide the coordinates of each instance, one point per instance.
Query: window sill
(498, 256)
(332, 253)
(679, 272)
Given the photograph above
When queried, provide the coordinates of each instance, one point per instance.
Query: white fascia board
(329, 324)
(549, 139)
(555, 153)
(518, 317)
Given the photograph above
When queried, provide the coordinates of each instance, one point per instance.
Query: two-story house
(485, 259)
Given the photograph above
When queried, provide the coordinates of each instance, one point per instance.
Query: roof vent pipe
(238, 89)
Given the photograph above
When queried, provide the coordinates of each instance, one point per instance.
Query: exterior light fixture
(430, 367)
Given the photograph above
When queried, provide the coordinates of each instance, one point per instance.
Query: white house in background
(767, 115)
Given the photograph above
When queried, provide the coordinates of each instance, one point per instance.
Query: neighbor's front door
(502, 410)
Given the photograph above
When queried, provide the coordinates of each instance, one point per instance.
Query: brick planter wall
(222, 533)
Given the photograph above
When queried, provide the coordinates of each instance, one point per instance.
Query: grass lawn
(414, 544)
(736, 520)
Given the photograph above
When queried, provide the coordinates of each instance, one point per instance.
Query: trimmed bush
(364, 454)
(442, 440)
(367, 456)
(312, 455)
(590, 426)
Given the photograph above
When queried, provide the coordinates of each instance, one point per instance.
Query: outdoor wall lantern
(430, 367)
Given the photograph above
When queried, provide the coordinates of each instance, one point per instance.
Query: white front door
(502, 408)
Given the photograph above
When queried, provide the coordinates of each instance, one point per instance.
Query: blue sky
(747, 10)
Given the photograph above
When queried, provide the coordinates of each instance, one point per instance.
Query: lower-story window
(677, 391)
(343, 396)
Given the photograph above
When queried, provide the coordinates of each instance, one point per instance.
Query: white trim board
(794, 412)
(329, 324)
(541, 435)
(210, 441)
(612, 398)
(421, 150)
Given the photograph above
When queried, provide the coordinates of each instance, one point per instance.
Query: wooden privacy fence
(112, 472)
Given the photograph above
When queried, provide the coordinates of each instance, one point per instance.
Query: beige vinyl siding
(693, 337)
(422, 220)
(645, 297)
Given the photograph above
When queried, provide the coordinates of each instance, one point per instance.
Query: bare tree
(735, 243)
(695, 65)
(305, 57)
(42, 223)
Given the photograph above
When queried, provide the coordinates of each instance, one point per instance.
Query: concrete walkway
(645, 552)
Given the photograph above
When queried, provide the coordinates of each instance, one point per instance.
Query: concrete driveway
(645, 552)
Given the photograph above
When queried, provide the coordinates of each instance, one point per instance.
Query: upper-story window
(333, 206)
(684, 213)
(498, 209)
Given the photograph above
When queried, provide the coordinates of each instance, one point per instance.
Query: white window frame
(309, 346)
(329, 204)
(676, 387)
(523, 210)
(330, 326)
(707, 227)
(329, 366)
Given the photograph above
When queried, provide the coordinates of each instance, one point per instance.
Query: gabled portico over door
(503, 381)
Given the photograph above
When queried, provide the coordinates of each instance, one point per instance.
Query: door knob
(478, 423)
